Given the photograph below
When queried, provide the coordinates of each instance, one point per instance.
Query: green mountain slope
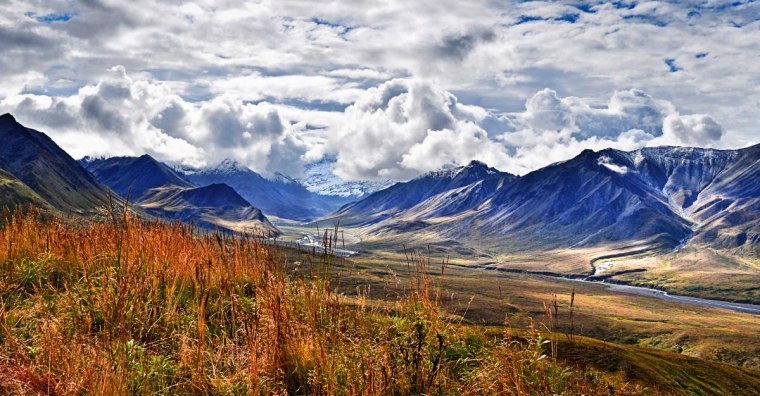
(35, 160)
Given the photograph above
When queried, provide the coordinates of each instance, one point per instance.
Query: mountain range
(282, 196)
(160, 191)
(36, 171)
(665, 197)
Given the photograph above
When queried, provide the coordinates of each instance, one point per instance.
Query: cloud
(699, 130)
(278, 83)
(396, 130)
(123, 116)
(552, 129)
(405, 127)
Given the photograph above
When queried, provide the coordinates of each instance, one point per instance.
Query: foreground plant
(128, 306)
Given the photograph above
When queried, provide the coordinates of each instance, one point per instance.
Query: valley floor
(711, 329)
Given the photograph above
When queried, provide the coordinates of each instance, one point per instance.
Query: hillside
(215, 205)
(14, 193)
(663, 197)
(394, 200)
(35, 160)
(160, 191)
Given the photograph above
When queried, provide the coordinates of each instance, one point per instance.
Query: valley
(705, 323)
(358, 198)
(710, 329)
(658, 247)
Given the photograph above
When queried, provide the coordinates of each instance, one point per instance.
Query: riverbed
(639, 290)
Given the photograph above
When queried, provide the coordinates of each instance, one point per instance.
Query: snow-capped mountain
(664, 197)
(319, 178)
(280, 196)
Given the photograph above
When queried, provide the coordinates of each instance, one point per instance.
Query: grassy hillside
(14, 193)
(129, 306)
(33, 158)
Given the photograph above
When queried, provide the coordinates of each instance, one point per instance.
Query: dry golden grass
(128, 306)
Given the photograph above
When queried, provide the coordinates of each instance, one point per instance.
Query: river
(643, 291)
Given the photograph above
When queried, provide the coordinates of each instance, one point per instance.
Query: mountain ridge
(661, 194)
(161, 191)
(35, 160)
(283, 197)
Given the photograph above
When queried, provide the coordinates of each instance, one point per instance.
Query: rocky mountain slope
(161, 191)
(436, 193)
(281, 197)
(36, 170)
(664, 197)
(134, 176)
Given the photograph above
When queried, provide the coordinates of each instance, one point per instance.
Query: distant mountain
(319, 178)
(590, 199)
(282, 196)
(662, 197)
(134, 176)
(449, 187)
(163, 192)
(216, 205)
(51, 177)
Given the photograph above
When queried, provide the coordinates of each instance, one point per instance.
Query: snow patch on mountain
(319, 178)
(607, 162)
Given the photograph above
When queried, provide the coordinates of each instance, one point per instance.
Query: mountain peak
(477, 164)
(8, 117)
(482, 167)
(230, 165)
(146, 159)
(134, 176)
(283, 178)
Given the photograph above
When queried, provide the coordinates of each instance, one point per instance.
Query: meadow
(124, 305)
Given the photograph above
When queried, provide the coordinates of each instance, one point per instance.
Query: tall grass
(129, 306)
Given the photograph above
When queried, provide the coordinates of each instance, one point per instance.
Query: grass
(484, 297)
(13, 191)
(696, 271)
(128, 306)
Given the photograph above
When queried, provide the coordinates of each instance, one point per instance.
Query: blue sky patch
(50, 18)
(587, 8)
(671, 62)
(701, 55)
(571, 18)
(646, 19)
(694, 14)
(624, 5)
(324, 22)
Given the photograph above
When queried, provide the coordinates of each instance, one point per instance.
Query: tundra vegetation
(125, 305)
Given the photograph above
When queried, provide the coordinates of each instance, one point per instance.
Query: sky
(385, 89)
